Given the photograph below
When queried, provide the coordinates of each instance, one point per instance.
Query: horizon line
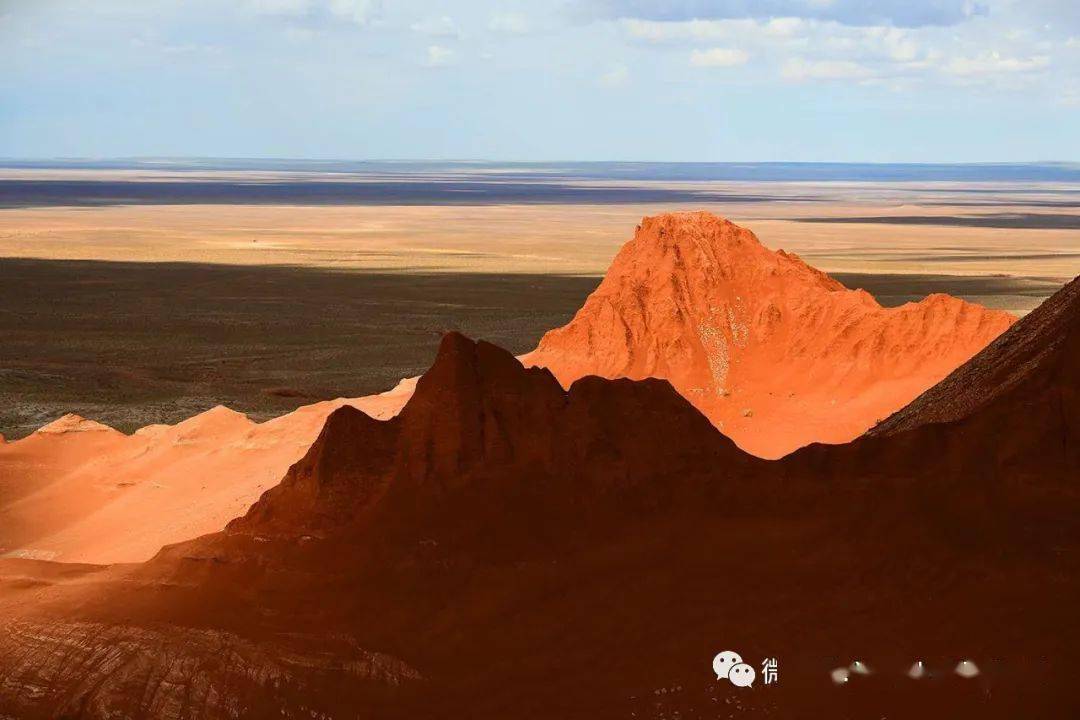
(489, 161)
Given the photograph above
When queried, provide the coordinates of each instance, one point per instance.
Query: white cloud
(785, 26)
(617, 76)
(509, 23)
(357, 11)
(438, 56)
(778, 37)
(900, 45)
(862, 13)
(718, 57)
(989, 64)
(806, 49)
(800, 69)
(436, 26)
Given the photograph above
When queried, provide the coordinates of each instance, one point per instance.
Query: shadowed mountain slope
(507, 548)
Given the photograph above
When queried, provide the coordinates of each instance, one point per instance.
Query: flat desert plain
(151, 310)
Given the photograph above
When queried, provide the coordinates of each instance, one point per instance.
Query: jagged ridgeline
(506, 547)
(774, 352)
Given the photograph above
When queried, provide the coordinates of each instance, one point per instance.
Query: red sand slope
(775, 353)
(78, 491)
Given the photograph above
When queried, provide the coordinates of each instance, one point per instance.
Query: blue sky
(710, 80)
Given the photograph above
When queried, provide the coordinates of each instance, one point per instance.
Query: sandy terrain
(476, 220)
(77, 490)
(563, 239)
(149, 342)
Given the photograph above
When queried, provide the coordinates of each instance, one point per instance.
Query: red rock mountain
(505, 548)
(775, 353)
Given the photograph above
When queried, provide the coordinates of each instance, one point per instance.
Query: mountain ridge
(775, 352)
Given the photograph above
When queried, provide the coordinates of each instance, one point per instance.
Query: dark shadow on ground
(1017, 221)
(131, 344)
(137, 343)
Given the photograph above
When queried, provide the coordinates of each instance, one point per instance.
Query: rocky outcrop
(775, 353)
(85, 669)
(480, 426)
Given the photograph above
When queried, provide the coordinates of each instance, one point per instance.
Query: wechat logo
(728, 665)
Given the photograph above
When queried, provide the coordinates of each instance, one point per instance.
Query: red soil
(78, 491)
(775, 353)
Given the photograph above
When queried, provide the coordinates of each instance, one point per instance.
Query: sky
(545, 80)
